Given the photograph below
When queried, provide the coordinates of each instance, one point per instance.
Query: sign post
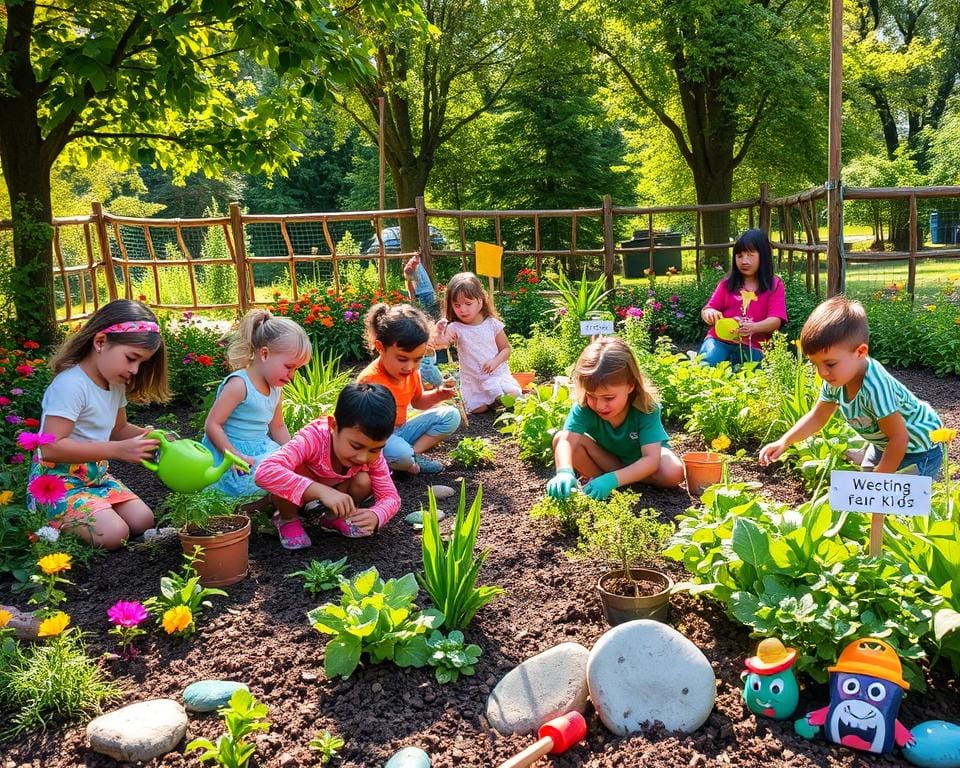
(880, 494)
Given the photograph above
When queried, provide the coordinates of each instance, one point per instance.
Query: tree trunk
(409, 180)
(714, 187)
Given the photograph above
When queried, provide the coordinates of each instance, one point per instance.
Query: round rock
(936, 745)
(442, 492)
(138, 732)
(210, 695)
(644, 671)
(409, 757)
(542, 687)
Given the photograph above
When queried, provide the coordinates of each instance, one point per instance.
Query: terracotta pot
(618, 609)
(224, 559)
(702, 471)
(524, 379)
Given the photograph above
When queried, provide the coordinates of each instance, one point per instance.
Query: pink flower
(30, 441)
(126, 614)
(16, 392)
(47, 489)
(4, 400)
(24, 370)
(17, 458)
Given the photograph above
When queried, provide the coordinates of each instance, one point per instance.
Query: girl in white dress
(471, 322)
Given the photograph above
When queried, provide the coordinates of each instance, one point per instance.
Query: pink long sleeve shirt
(307, 459)
(772, 303)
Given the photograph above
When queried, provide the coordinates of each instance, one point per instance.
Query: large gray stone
(138, 732)
(210, 695)
(409, 757)
(541, 688)
(643, 671)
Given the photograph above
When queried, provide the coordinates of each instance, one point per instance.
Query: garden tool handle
(531, 754)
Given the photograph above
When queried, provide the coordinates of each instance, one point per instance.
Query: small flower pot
(619, 608)
(702, 470)
(524, 379)
(224, 559)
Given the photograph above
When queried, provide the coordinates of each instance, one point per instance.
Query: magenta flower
(30, 441)
(17, 458)
(4, 400)
(127, 614)
(47, 489)
(635, 312)
(24, 370)
(657, 306)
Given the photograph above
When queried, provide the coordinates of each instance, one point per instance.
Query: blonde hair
(609, 361)
(150, 382)
(467, 284)
(835, 322)
(260, 329)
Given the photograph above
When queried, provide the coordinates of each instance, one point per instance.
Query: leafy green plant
(534, 419)
(581, 298)
(451, 656)
(450, 570)
(321, 575)
(377, 618)
(314, 389)
(617, 532)
(524, 307)
(195, 356)
(566, 513)
(194, 511)
(183, 589)
(473, 451)
(544, 353)
(243, 716)
(327, 745)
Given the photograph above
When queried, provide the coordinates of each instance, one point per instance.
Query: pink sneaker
(333, 524)
(292, 535)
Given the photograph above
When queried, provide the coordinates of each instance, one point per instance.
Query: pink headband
(134, 326)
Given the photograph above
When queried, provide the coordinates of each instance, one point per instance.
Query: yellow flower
(177, 619)
(930, 307)
(5, 617)
(943, 435)
(956, 321)
(720, 443)
(798, 345)
(54, 625)
(58, 561)
(5, 498)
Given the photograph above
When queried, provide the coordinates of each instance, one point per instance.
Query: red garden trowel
(555, 736)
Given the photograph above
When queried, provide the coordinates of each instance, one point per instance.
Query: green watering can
(186, 466)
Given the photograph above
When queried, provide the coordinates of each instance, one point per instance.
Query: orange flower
(327, 322)
(54, 625)
(177, 619)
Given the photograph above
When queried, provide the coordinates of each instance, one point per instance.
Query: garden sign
(881, 494)
(489, 260)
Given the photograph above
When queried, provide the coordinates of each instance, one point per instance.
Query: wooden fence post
(423, 235)
(765, 208)
(105, 255)
(608, 243)
(236, 227)
(914, 247)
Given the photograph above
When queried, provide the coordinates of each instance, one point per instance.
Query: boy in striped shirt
(893, 421)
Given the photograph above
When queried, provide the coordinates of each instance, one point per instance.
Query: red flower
(31, 423)
(205, 360)
(24, 370)
(142, 297)
(31, 345)
(296, 307)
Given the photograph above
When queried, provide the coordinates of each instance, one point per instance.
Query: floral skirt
(90, 488)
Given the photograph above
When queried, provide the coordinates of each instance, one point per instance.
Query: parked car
(391, 241)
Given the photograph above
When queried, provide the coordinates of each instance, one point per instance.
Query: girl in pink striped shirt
(336, 464)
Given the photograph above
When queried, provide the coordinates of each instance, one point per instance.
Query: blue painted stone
(937, 745)
(409, 757)
(210, 695)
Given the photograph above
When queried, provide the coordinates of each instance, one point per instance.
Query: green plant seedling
(183, 589)
(451, 657)
(194, 511)
(566, 513)
(473, 451)
(534, 419)
(321, 575)
(327, 745)
(244, 715)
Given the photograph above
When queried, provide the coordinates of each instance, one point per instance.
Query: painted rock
(442, 492)
(937, 745)
(409, 757)
(416, 518)
(210, 695)
(138, 732)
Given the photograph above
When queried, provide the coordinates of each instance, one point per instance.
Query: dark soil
(259, 634)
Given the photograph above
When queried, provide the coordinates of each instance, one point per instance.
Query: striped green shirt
(879, 396)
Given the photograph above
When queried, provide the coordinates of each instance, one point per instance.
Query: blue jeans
(927, 462)
(429, 373)
(442, 420)
(713, 352)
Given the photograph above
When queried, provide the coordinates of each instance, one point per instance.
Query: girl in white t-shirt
(118, 354)
(471, 322)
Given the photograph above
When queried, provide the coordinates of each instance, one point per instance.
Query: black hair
(368, 407)
(401, 325)
(752, 240)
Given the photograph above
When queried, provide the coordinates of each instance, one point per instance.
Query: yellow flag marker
(489, 258)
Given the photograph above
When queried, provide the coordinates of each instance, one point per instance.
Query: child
(336, 462)
(118, 354)
(246, 417)
(895, 424)
(753, 295)
(613, 434)
(482, 344)
(399, 336)
(420, 290)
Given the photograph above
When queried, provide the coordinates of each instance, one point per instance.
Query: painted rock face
(773, 696)
(937, 745)
(863, 712)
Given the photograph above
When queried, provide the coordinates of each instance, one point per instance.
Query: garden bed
(260, 635)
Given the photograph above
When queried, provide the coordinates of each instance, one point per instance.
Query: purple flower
(16, 391)
(635, 312)
(651, 293)
(678, 314)
(657, 306)
(187, 315)
(562, 311)
(12, 418)
(126, 614)
(17, 458)
(675, 298)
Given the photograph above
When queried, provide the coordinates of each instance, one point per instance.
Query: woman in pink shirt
(748, 305)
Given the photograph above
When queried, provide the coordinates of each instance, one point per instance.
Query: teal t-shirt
(879, 396)
(626, 441)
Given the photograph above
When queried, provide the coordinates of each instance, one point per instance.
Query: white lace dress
(475, 345)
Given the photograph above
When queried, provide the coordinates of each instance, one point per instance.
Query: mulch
(259, 634)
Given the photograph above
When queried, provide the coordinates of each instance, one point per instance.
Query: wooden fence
(103, 256)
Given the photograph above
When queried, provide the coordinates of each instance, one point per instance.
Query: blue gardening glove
(562, 484)
(600, 487)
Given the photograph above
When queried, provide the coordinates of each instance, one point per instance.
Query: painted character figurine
(866, 686)
(769, 686)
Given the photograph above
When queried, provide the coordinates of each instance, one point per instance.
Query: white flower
(47, 533)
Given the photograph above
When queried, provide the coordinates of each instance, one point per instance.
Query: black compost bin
(635, 264)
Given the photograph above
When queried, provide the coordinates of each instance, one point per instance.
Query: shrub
(535, 419)
(196, 358)
(525, 307)
(313, 391)
(472, 452)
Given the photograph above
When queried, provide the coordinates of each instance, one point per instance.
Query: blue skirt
(234, 483)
